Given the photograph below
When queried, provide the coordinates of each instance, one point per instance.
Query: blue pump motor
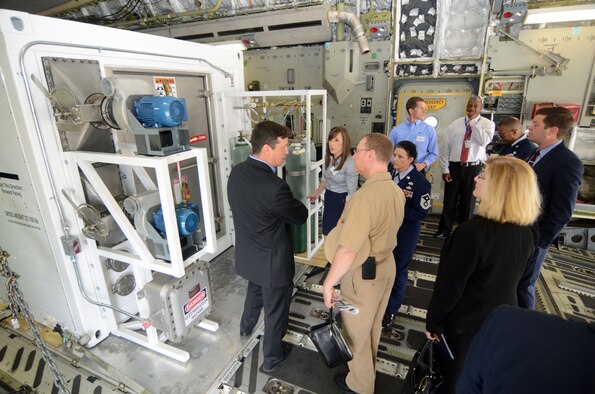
(186, 215)
(160, 111)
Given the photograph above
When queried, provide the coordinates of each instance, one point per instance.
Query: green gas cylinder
(241, 150)
(296, 165)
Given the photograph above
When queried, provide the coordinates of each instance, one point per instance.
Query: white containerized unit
(111, 200)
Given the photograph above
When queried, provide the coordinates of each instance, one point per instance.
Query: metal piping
(340, 26)
(356, 27)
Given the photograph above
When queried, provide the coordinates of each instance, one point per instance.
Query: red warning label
(198, 138)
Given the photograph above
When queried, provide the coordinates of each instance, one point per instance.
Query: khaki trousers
(362, 331)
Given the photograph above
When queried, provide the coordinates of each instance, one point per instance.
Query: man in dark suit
(517, 143)
(520, 351)
(559, 174)
(263, 209)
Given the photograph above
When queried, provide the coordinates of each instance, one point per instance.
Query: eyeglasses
(360, 150)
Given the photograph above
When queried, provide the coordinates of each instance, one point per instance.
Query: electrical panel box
(179, 303)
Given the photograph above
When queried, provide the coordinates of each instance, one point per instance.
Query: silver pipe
(533, 72)
(356, 27)
(92, 301)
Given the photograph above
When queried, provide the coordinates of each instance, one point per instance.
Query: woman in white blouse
(339, 179)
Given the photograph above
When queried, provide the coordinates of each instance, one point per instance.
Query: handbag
(423, 376)
(330, 342)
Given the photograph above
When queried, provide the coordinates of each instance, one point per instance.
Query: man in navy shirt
(414, 129)
(517, 143)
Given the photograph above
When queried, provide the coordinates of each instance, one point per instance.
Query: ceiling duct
(277, 28)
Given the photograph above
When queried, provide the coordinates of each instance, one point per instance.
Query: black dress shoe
(340, 383)
(441, 234)
(387, 320)
(269, 369)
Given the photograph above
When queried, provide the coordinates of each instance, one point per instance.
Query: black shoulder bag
(330, 342)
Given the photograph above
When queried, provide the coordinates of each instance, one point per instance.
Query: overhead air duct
(356, 27)
(275, 28)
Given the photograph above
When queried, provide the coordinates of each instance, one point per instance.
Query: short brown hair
(510, 193)
(345, 150)
(266, 133)
(412, 103)
(559, 117)
(380, 144)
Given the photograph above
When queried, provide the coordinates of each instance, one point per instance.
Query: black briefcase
(330, 343)
(423, 376)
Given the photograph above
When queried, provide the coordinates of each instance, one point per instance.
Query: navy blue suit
(521, 149)
(417, 203)
(524, 352)
(559, 174)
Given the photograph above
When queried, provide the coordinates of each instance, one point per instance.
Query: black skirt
(333, 208)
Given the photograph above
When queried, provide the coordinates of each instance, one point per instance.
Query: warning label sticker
(162, 84)
(195, 306)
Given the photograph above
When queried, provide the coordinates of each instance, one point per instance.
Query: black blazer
(559, 174)
(263, 208)
(480, 267)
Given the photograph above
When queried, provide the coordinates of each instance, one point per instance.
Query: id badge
(420, 138)
(468, 144)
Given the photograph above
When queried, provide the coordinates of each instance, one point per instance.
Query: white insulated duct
(356, 27)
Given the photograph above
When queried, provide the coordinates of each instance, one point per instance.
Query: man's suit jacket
(522, 351)
(263, 208)
(559, 174)
(522, 149)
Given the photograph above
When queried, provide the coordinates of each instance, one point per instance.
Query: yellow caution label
(435, 104)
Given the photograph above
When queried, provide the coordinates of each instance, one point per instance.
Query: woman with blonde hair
(339, 178)
(484, 259)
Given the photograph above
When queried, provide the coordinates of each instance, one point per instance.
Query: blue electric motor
(160, 111)
(186, 215)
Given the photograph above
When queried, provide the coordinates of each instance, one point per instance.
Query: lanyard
(468, 129)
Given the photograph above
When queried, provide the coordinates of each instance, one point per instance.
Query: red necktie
(464, 149)
(534, 158)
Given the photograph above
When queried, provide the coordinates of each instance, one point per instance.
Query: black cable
(117, 12)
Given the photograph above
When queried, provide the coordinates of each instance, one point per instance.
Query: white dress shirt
(482, 132)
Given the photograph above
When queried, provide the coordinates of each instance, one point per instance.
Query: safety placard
(195, 306)
(162, 84)
(435, 104)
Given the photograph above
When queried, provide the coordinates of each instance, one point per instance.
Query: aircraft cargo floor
(221, 362)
